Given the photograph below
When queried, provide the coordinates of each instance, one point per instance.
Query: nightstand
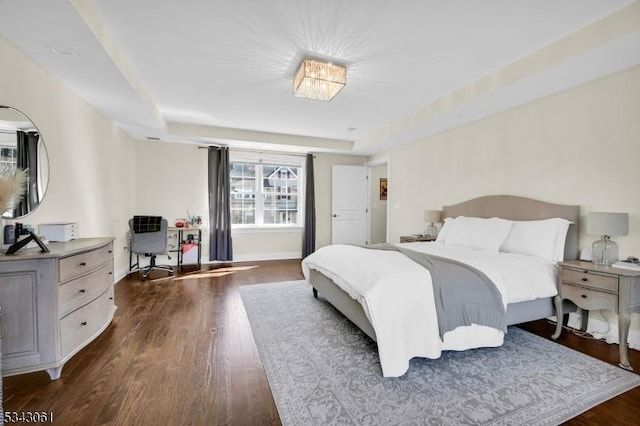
(591, 286)
(415, 238)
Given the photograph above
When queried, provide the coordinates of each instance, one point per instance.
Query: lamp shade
(432, 216)
(611, 224)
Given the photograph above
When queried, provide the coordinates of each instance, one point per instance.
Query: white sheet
(397, 296)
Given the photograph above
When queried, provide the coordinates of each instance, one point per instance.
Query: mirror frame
(8, 214)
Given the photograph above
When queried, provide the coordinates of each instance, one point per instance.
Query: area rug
(322, 370)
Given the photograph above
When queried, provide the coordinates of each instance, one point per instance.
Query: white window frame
(273, 160)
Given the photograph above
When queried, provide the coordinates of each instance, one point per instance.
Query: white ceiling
(221, 71)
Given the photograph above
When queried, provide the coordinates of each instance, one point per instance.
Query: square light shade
(319, 80)
(432, 216)
(611, 224)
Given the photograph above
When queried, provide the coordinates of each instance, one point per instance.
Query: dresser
(591, 286)
(54, 304)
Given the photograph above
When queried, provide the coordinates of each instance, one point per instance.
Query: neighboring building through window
(8, 150)
(265, 194)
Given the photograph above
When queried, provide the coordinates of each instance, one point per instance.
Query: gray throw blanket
(463, 295)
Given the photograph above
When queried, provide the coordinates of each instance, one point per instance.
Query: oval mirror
(22, 148)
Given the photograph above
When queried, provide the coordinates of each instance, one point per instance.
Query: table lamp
(431, 217)
(605, 250)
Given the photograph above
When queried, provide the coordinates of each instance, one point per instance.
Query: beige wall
(91, 161)
(171, 178)
(267, 244)
(377, 207)
(577, 147)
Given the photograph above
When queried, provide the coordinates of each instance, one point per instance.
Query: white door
(349, 205)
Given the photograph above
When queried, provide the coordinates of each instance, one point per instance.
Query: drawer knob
(110, 252)
(585, 279)
(111, 298)
(82, 290)
(584, 296)
(83, 323)
(110, 273)
(83, 264)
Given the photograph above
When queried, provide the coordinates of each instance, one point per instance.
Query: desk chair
(148, 238)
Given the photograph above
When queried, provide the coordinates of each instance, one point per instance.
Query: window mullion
(259, 196)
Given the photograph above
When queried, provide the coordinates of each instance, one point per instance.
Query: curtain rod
(295, 154)
(13, 132)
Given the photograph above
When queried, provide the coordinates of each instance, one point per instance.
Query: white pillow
(478, 233)
(541, 238)
(444, 231)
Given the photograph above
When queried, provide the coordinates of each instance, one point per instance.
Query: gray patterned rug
(323, 371)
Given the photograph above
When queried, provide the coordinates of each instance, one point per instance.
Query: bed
(394, 308)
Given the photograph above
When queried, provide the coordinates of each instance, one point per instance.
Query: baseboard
(121, 274)
(255, 257)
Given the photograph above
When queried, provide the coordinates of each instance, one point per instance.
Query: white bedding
(397, 296)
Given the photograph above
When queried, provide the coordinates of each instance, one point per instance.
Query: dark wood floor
(181, 353)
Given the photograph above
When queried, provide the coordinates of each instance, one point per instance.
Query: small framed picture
(383, 188)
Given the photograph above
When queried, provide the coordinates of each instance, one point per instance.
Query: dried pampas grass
(12, 185)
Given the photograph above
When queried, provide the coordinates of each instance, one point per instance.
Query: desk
(177, 245)
(177, 248)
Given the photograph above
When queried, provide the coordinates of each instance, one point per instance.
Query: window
(265, 194)
(8, 157)
(8, 150)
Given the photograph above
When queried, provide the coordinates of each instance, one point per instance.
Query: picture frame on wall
(383, 188)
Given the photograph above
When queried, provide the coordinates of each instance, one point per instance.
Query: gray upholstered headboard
(520, 208)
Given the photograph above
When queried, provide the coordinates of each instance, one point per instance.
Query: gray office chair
(149, 239)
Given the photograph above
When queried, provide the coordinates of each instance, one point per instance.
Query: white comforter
(397, 296)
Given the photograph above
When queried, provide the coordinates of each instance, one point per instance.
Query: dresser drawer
(590, 299)
(77, 328)
(79, 264)
(76, 293)
(590, 280)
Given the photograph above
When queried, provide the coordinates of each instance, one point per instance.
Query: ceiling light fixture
(319, 80)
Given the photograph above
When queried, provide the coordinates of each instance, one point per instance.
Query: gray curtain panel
(28, 159)
(219, 205)
(309, 234)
